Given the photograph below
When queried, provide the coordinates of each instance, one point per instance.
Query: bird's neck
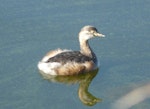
(86, 50)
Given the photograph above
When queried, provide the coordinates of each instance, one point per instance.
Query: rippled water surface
(30, 28)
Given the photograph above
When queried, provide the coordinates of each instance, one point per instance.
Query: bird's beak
(98, 34)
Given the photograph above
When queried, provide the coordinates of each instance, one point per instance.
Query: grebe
(68, 62)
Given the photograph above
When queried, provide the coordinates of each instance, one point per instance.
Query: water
(31, 28)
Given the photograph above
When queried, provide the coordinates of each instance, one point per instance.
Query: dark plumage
(72, 56)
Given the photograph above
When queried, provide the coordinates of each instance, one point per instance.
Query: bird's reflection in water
(83, 80)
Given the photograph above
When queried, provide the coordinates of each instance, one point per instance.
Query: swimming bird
(68, 62)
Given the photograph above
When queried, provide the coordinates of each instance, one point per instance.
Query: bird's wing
(71, 56)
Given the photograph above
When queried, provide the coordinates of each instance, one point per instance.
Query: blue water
(30, 28)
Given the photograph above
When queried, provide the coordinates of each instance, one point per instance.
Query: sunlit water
(30, 28)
